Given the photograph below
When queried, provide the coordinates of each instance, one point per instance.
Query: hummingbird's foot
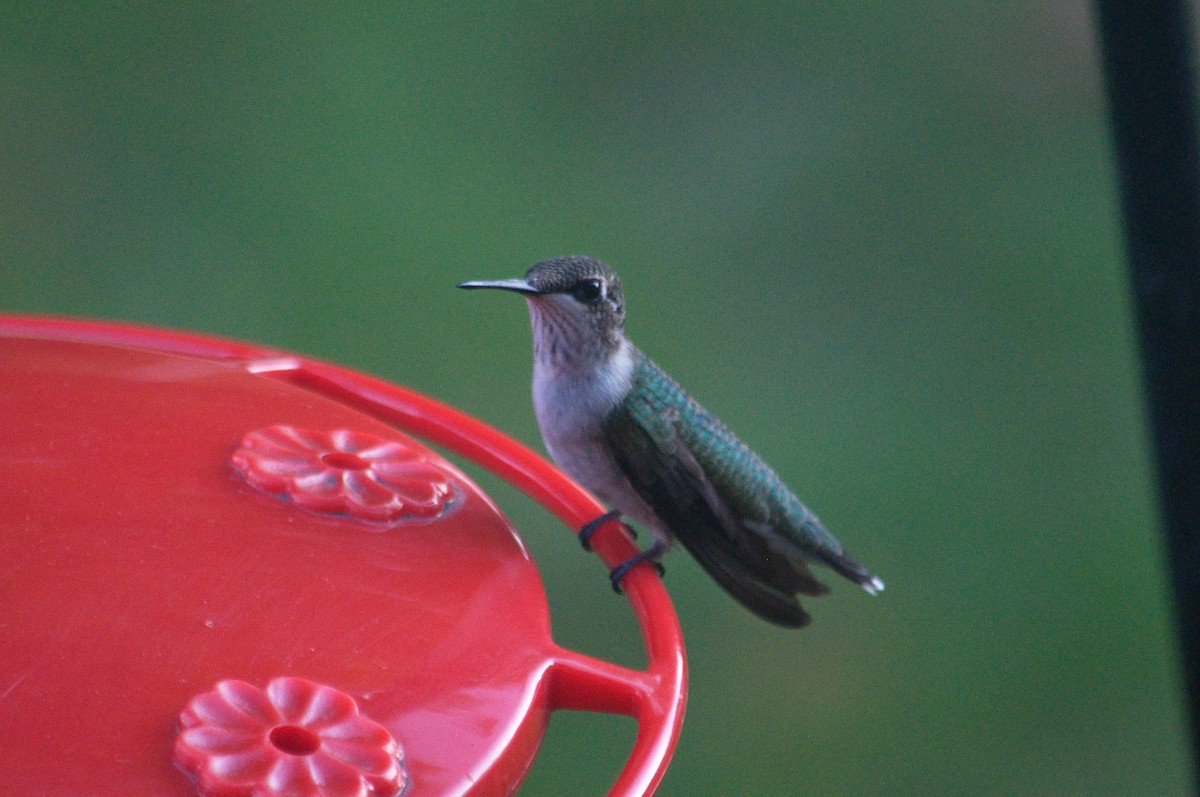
(589, 528)
(651, 555)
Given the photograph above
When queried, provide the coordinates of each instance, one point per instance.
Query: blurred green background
(880, 241)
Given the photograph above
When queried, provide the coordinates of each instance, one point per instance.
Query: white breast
(571, 408)
(571, 405)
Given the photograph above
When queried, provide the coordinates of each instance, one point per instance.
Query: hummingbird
(620, 426)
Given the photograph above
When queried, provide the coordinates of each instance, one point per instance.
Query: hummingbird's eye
(588, 290)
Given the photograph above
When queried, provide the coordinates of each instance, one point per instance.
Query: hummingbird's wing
(717, 497)
(675, 486)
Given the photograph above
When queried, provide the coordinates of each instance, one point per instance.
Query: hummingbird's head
(576, 306)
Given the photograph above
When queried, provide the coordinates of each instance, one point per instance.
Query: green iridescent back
(748, 485)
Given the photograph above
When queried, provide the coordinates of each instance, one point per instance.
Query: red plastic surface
(146, 563)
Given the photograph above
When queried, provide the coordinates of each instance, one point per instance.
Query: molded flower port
(344, 472)
(295, 738)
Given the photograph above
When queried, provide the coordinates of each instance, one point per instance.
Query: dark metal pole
(1147, 69)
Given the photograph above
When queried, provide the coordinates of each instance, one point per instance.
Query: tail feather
(849, 567)
(772, 598)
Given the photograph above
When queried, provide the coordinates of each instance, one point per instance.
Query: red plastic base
(180, 515)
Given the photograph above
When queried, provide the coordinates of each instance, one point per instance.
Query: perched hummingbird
(618, 425)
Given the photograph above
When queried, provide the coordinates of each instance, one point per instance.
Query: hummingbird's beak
(518, 285)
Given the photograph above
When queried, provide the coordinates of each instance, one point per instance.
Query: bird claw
(590, 528)
(651, 555)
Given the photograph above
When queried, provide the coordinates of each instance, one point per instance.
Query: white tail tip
(874, 586)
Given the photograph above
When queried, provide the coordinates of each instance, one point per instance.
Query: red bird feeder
(228, 571)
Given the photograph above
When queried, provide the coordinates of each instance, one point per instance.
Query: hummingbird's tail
(849, 567)
(764, 582)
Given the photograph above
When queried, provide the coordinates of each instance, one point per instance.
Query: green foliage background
(881, 241)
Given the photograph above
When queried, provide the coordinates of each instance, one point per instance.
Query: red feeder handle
(655, 697)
